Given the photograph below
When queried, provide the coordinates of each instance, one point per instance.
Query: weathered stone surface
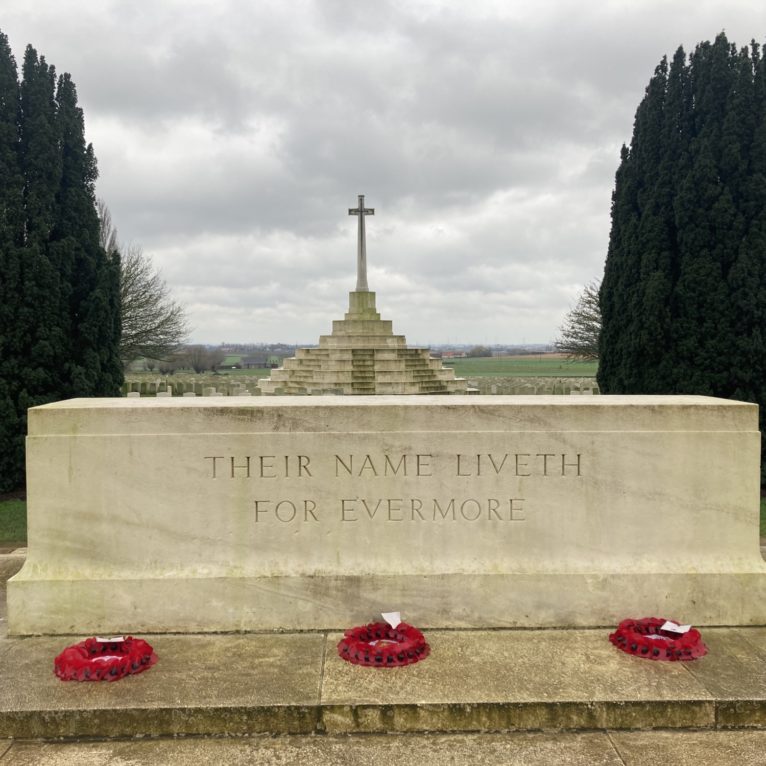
(237, 685)
(201, 685)
(456, 750)
(362, 356)
(735, 672)
(722, 748)
(484, 681)
(176, 515)
(741, 748)
(9, 565)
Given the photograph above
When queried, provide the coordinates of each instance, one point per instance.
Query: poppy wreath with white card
(655, 638)
(104, 659)
(381, 645)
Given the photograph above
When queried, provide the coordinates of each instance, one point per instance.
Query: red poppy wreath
(380, 645)
(97, 659)
(655, 638)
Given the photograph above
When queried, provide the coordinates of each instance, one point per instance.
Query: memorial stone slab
(234, 513)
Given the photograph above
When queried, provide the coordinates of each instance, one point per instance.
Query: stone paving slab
(679, 748)
(689, 748)
(236, 684)
(295, 683)
(735, 673)
(403, 750)
(495, 680)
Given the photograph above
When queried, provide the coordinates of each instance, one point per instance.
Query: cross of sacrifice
(361, 245)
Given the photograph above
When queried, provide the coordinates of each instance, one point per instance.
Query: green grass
(13, 521)
(527, 366)
(542, 366)
(255, 372)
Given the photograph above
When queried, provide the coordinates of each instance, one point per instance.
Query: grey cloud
(232, 137)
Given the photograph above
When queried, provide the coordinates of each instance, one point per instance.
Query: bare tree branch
(582, 325)
(107, 237)
(153, 324)
(201, 358)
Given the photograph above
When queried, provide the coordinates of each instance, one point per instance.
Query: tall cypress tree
(41, 327)
(684, 291)
(91, 277)
(59, 290)
(11, 240)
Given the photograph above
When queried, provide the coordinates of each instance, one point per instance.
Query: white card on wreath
(673, 627)
(394, 619)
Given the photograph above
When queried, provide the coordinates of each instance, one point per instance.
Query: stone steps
(502, 680)
(608, 748)
(362, 356)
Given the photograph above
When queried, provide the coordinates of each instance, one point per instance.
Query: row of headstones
(586, 387)
(178, 388)
(485, 386)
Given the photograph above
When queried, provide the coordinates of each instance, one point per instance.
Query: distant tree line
(476, 352)
(59, 288)
(195, 357)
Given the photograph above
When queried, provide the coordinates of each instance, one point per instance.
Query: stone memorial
(297, 513)
(362, 355)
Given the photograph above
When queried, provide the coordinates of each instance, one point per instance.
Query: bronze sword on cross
(361, 245)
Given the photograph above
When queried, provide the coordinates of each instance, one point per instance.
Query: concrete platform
(699, 748)
(482, 696)
(235, 685)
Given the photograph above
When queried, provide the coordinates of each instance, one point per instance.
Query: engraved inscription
(259, 466)
(498, 472)
(384, 465)
(406, 465)
(518, 464)
(393, 509)
(286, 510)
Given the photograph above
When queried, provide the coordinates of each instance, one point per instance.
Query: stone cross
(361, 246)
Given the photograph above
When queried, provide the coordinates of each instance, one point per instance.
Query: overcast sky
(232, 137)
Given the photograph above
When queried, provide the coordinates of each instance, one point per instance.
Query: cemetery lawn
(13, 521)
(528, 365)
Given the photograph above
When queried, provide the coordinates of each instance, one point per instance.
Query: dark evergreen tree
(11, 240)
(40, 326)
(684, 292)
(90, 277)
(59, 290)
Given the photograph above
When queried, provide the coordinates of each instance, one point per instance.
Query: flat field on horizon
(518, 366)
(522, 366)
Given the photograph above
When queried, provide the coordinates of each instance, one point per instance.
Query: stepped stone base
(239, 685)
(362, 356)
(632, 748)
